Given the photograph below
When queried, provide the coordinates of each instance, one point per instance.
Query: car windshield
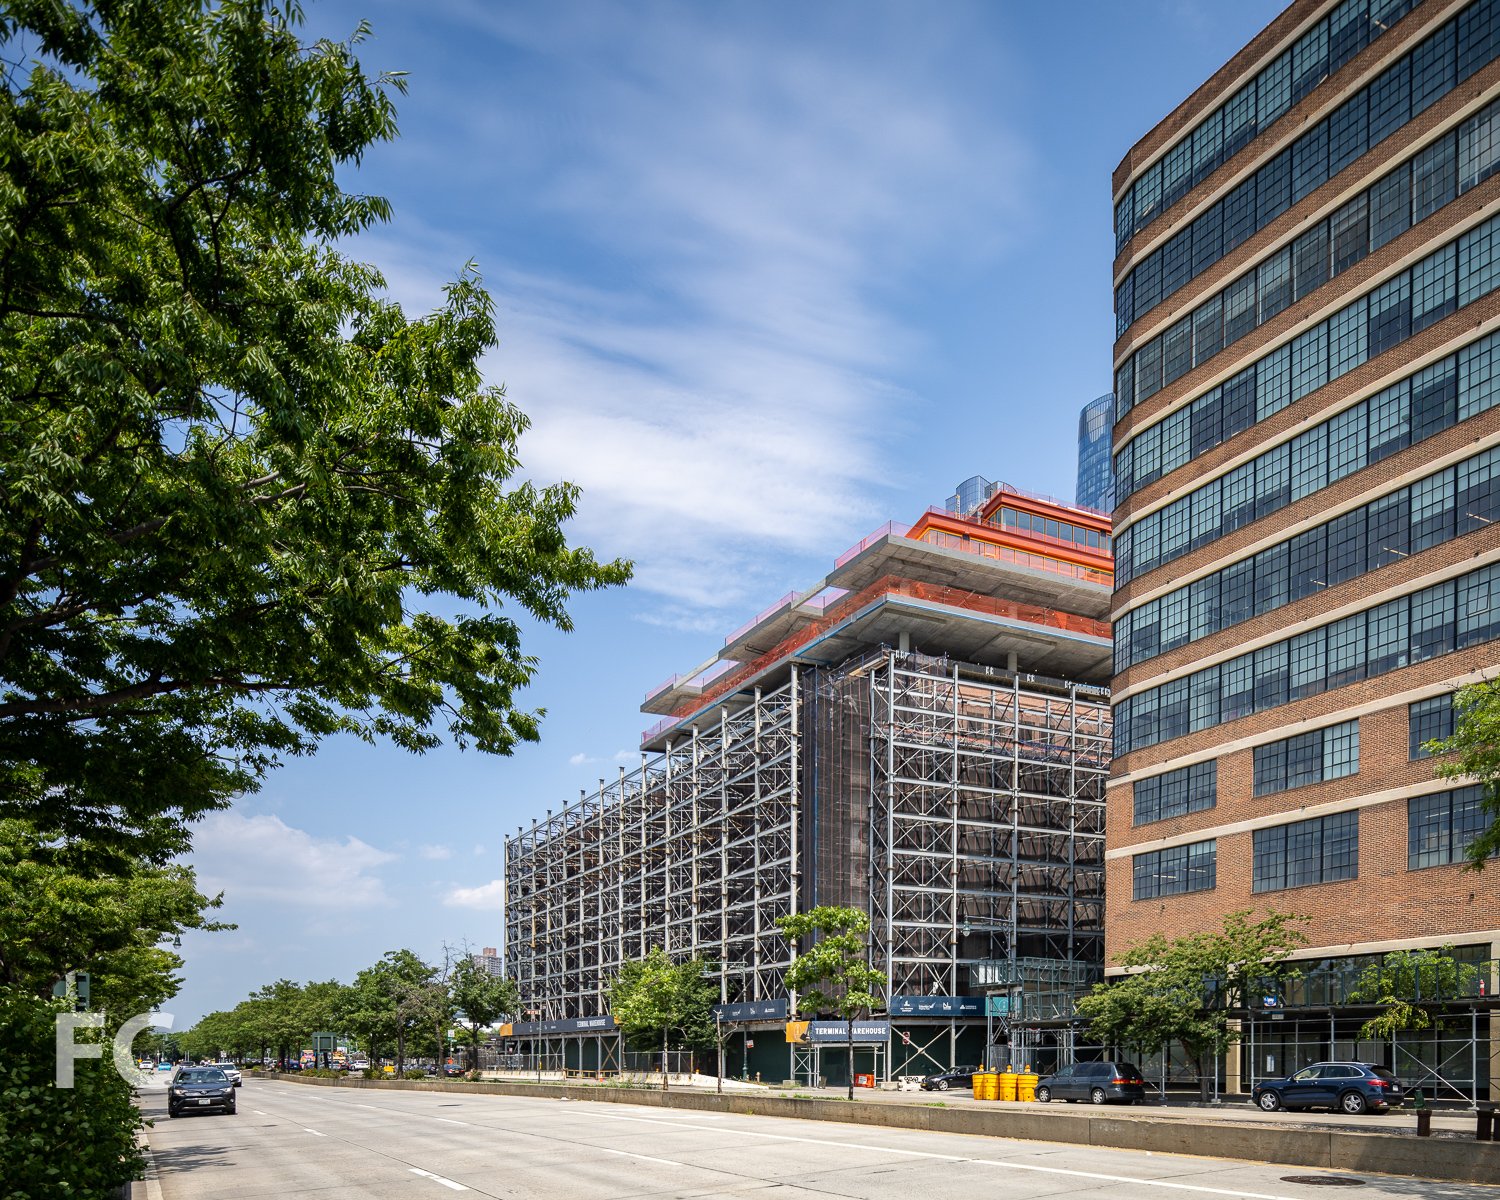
(1127, 1071)
(1382, 1073)
(202, 1075)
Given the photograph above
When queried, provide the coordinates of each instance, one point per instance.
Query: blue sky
(767, 275)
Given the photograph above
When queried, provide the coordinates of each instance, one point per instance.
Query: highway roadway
(290, 1141)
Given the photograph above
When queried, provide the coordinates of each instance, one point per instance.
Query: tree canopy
(245, 501)
(481, 999)
(671, 1002)
(1183, 989)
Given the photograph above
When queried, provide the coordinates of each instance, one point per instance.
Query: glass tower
(1096, 477)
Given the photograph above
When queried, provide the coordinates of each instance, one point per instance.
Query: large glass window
(1411, 410)
(1435, 620)
(1323, 48)
(1176, 793)
(1306, 852)
(1326, 148)
(1429, 721)
(1174, 871)
(1465, 269)
(1313, 757)
(1440, 827)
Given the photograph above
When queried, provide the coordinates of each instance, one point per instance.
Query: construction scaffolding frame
(986, 820)
(695, 851)
(961, 806)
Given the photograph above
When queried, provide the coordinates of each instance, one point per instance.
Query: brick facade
(1387, 903)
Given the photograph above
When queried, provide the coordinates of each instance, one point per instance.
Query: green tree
(388, 1005)
(1183, 989)
(245, 502)
(831, 971)
(277, 1012)
(481, 999)
(1475, 747)
(57, 917)
(656, 997)
(1403, 981)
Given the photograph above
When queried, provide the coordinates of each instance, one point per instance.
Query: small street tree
(481, 999)
(1402, 981)
(831, 971)
(1183, 989)
(655, 996)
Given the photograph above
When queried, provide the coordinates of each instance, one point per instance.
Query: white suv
(229, 1069)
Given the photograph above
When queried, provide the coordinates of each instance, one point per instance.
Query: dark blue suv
(1350, 1087)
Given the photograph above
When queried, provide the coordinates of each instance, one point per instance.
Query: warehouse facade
(1307, 441)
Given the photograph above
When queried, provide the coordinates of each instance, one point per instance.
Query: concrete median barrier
(1452, 1159)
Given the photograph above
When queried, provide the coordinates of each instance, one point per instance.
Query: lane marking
(314, 1132)
(647, 1158)
(446, 1121)
(1009, 1164)
(447, 1183)
(371, 1107)
(258, 1113)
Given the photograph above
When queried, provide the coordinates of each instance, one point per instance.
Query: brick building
(1307, 473)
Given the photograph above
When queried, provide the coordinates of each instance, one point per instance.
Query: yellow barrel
(991, 1087)
(1026, 1084)
(978, 1080)
(1007, 1083)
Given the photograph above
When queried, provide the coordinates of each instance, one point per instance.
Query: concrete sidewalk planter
(1452, 1159)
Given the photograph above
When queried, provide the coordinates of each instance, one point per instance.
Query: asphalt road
(289, 1141)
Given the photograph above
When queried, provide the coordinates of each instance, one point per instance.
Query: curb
(1445, 1159)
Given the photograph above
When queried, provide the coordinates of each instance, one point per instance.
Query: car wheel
(171, 1112)
(1353, 1103)
(1096, 1096)
(1044, 1094)
(941, 1085)
(1269, 1101)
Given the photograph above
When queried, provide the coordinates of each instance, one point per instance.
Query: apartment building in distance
(1307, 472)
(922, 734)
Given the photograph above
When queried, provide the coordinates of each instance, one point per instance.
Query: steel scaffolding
(694, 851)
(987, 820)
(961, 806)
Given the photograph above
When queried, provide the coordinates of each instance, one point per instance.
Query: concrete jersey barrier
(1458, 1161)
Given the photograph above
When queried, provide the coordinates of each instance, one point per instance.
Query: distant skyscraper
(489, 961)
(1096, 477)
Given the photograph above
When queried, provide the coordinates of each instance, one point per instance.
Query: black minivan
(1096, 1082)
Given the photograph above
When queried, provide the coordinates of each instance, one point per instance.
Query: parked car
(1351, 1087)
(200, 1089)
(1096, 1082)
(958, 1077)
(229, 1069)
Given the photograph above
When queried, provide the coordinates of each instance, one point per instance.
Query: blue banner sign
(936, 1006)
(603, 1024)
(752, 1010)
(838, 1031)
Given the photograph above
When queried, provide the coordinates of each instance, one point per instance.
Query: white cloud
(486, 896)
(262, 858)
(747, 209)
(435, 853)
(619, 757)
